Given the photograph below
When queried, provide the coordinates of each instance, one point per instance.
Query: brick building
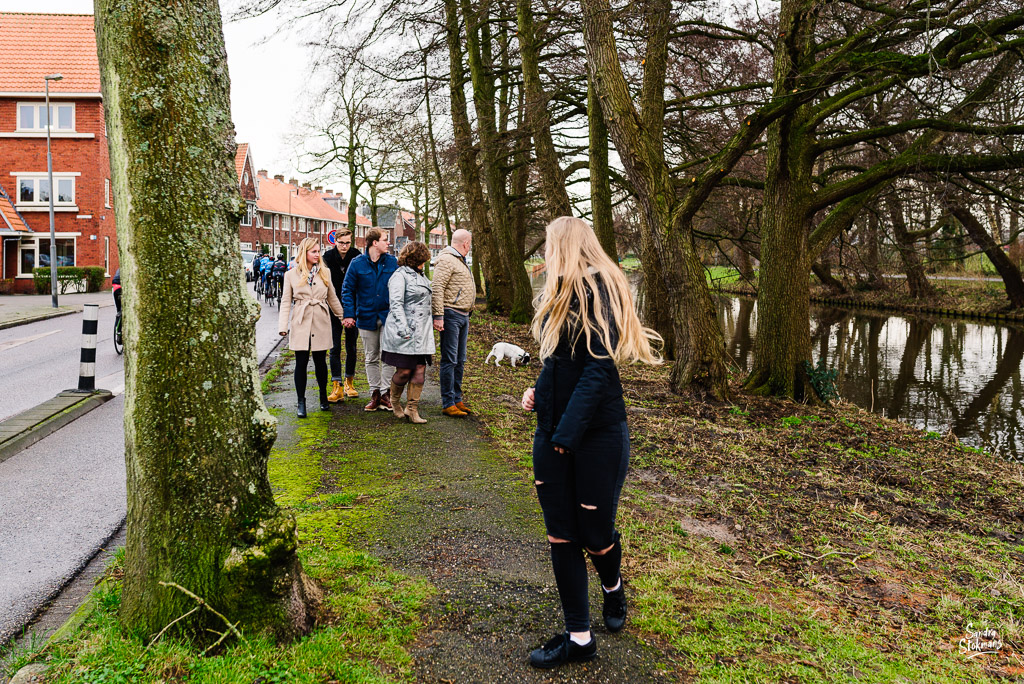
(33, 46)
(249, 227)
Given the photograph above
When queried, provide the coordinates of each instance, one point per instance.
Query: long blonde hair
(303, 265)
(575, 261)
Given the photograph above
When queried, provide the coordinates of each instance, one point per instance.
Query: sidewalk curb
(35, 318)
(28, 427)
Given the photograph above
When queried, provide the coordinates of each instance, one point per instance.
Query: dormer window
(32, 117)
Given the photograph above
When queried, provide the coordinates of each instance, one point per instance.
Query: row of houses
(281, 213)
(34, 47)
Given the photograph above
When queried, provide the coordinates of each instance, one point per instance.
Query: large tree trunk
(513, 283)
(485, 258)
(700, 358)
(535, 102)
(783, 325)
(917, 281)
(600, 180)
(201, 513)
(1008, 270)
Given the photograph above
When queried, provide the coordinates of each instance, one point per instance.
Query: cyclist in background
(277, 271)
(116, 283)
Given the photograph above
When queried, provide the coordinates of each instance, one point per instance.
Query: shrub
(69, 276)
(6, 286)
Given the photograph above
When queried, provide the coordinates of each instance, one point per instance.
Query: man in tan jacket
(454, 294)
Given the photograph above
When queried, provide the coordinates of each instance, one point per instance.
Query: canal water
(937, 374)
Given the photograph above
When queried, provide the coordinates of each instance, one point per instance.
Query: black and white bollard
(87, 368)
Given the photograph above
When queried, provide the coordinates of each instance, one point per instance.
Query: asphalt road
(62, 498)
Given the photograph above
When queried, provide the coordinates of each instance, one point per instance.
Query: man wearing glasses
(337, 259)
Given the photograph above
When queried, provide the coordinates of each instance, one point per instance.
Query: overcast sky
(266, 81)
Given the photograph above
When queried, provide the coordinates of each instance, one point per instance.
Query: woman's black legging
(319, 365)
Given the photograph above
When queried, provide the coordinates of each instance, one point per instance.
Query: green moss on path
(437, 504)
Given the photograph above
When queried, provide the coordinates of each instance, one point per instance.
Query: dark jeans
(351, 335)
(579, 495)
(453, 355)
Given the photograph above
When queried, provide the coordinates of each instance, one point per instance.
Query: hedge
(68, 276)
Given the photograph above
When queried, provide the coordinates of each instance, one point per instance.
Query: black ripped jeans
(579, 495)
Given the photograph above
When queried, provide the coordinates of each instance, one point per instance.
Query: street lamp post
(49, 174)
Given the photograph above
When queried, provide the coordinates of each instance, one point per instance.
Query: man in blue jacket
(364, 296)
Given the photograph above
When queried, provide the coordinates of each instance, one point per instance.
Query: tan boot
(350, 388)
(412, 407)
(396, 399)
(337, 393)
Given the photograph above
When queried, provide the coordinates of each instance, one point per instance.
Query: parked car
(247, 257)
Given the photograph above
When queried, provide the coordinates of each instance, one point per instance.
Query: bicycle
(118, 339)
(272, 292)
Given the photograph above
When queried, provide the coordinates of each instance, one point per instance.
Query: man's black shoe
(561, 649)
(615, 608)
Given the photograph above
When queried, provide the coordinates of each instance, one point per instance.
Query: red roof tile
(240, 155)
(10, 219)
(35, 45)
(282, 198)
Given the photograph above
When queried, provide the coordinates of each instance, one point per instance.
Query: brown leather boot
(454, 412)
(412, 407)
(385, 401)
(337, 393)
(462, 407)
(396, 399)
(350, 388)
(374, 401)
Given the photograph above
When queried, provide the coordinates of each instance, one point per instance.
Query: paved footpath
(21, 309)
(437, 501)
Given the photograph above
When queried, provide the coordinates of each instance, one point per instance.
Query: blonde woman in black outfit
(586, 326)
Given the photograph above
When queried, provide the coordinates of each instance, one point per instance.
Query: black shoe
(301, 413)
(615, 608)
(324, 406)
(560, 650)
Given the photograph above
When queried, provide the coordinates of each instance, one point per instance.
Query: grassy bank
(769, 541)
(954, 294)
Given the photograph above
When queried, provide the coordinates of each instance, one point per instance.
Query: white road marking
(10, 344)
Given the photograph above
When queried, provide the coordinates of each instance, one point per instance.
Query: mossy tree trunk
(600, 179)
(497, 286)
(515, 289)
(197, 434)
(638, 132)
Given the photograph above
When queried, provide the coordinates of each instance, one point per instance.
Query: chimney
(292, 181)
(319, 188)
(262, 172)
(329, 191)
(307, 186)
(279, 177)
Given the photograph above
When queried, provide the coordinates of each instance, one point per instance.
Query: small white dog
(507, 350)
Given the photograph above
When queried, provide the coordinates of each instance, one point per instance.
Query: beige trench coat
(311, 313)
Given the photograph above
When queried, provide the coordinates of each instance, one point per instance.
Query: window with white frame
(106, 192)
(35, 252)
(35, 190)
(250, 212)
(32, 117)
(106, 256)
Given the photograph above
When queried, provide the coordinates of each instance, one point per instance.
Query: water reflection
(935, 374)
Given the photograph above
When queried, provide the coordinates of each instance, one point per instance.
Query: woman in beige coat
(308, 287)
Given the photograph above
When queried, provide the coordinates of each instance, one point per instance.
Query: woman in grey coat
(407, 341)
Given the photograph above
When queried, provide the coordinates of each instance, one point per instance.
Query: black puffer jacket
(338, 263)
(577, 392)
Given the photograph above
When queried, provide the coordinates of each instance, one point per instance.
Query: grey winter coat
(409, 328)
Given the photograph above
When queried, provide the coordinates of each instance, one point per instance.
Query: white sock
(577, 640)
